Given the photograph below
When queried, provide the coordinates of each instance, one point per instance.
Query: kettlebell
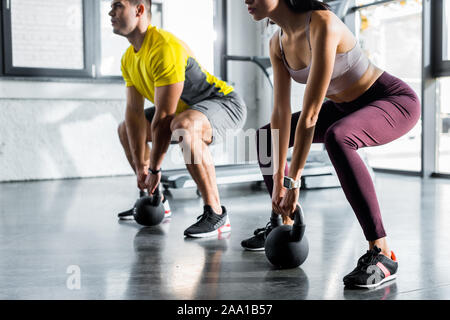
(286, 246)
(149, 210)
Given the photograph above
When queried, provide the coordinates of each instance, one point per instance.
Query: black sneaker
(256, 243)
(372, 270)
(209, 224)
(128, 215)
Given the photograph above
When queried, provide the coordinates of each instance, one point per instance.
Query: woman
(366, 107)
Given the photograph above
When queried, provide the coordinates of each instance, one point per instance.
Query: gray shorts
(224, 113)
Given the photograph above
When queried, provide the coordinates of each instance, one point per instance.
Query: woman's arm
(281, 115)
(325, 37)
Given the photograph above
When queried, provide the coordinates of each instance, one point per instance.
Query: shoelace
(205, 215)
(202, 216)
(366, 260)
(259, 230)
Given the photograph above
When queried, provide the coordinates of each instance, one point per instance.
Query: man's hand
(152, 182)
(141, 175)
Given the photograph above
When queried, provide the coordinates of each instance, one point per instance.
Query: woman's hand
(278, 193)
(289, 203)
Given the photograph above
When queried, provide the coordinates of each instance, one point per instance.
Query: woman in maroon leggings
(365, 107)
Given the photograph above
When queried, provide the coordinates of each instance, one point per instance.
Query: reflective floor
(61, 240)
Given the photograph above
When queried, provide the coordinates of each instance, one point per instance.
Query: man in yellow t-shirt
(190, 104)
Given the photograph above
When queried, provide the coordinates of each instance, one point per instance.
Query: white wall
(243, 41)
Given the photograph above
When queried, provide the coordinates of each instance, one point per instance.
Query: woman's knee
(339, 136)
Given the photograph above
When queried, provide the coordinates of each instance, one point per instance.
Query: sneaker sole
(167, 214)
(126, 215)
(254, 249)
(223, 229)
(126, 218)
(371, 286)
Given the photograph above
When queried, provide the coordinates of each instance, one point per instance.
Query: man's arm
(136, 128)
(166, 101)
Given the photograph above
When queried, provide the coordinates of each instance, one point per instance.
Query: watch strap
(154, 171)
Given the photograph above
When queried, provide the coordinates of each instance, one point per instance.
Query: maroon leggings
(385, 112)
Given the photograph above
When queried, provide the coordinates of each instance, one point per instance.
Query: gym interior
(64, 176)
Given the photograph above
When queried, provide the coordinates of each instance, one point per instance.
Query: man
(189, 102)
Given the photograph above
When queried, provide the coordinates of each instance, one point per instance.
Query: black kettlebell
(149, 210)
(286, 246)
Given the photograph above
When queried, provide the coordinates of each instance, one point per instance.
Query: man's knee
(122, 131)
(183, 129)
(180, 123)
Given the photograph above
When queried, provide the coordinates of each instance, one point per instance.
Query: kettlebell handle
(156, 197)
(298, 229)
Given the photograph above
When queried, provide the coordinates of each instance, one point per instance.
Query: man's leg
(203, 124)
(195, 134)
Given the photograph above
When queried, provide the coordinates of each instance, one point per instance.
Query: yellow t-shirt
(163, 60)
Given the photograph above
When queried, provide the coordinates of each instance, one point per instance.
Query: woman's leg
(328, 115)
(376, 124)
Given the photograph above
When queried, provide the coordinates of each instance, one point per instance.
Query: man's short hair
(146, 3)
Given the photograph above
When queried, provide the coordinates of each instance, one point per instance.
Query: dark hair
(146, 3)
(303, 6)
(306, 5)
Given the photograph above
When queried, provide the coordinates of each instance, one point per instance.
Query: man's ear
(140, 10)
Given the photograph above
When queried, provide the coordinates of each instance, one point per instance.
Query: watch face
(287, 183)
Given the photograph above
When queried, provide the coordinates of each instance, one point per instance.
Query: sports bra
(349, 66)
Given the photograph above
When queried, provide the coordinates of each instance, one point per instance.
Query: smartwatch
(290, 183)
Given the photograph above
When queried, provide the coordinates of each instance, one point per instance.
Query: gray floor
(46, 227)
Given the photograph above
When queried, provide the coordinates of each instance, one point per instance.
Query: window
(113, 46)
(445, 31)
(442, 68)
(44, 38)
(74, 38)
(391, 35)
(443, 130)
(441, 44)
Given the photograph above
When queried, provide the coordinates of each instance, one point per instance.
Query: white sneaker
(167, 211)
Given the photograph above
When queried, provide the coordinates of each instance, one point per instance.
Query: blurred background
(62, 95)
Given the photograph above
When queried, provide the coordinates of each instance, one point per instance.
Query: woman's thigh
(328, 115)
(378, 123)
